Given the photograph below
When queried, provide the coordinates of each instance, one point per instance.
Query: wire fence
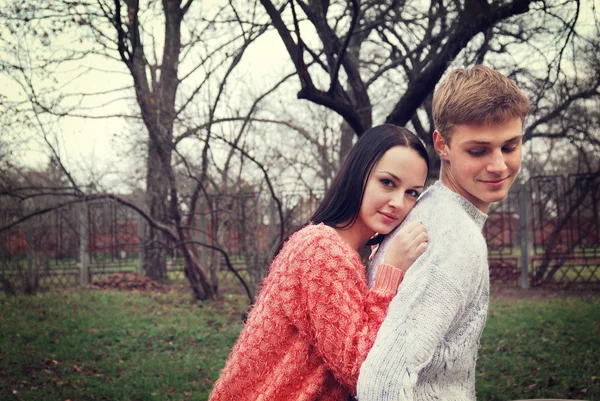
(546, 232)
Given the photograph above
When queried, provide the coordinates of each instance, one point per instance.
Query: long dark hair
(341, 204)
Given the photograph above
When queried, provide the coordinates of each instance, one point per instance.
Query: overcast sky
(101, 145)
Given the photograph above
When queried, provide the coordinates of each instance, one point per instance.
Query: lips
(389, 216)
(495, 181)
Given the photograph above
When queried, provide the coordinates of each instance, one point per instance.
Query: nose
(397, 201)
(497, 164)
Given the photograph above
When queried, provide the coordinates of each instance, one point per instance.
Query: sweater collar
(475, 214)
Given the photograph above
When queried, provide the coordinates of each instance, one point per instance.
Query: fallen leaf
(77, 368)
(531, 386)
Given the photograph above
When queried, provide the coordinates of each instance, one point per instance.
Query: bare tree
(363, 61)
(381, 60)
(161, 45)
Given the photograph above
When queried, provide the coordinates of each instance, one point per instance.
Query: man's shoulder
(439, 214)
(448, 224)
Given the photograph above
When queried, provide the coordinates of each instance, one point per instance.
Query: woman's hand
(406, 246)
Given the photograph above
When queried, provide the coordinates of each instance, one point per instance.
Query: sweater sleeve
(426, 306)
(340, 315)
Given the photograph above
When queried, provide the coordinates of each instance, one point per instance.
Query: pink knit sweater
(313, 324)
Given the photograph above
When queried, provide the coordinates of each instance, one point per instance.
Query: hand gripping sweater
(313, 324)
(426, 348)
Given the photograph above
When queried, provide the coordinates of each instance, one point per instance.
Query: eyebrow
(476, 142)
(398, 178)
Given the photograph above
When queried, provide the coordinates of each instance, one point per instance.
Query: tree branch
(466, 27)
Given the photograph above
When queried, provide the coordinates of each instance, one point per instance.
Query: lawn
(541, 349)
(109, 345)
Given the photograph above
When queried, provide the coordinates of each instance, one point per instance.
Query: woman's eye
(386, 182)
(413, 193)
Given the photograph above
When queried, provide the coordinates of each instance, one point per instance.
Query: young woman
(315, 318)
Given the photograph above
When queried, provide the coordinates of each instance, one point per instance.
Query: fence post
(141, 248)
(84, 261)
(523, 223)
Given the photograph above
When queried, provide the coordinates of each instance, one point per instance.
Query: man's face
(482, 161)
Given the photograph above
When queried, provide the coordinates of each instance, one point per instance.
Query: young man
(427, 346)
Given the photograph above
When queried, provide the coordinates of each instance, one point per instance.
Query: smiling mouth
(495, 181)
(389, 216)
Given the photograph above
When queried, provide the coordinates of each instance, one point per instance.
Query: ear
(440, 145)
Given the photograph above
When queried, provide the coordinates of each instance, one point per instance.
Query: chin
(384, 229)
(493, 195)
(496, 197)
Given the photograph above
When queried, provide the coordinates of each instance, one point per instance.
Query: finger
(422, 247)
(417, 234)
(421, 237)
(420, 228)
(408, 234)
(409, 227)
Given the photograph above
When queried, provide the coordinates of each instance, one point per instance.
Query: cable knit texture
(313, 324)
(426, 348)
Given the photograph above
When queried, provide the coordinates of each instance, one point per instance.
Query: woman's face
(392, 189)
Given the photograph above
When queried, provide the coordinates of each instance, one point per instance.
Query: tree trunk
(346, 139)
(157, 186)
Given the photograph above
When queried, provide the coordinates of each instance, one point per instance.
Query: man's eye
(476, 152)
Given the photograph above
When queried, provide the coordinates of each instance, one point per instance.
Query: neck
(355, 236)
(450, 182)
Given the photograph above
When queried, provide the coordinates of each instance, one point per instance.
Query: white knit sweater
(426, 348)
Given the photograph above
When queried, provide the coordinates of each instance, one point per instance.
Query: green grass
(541, 349)
(101, 345)
(108, 345)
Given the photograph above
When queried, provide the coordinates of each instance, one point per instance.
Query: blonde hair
(478, 95)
